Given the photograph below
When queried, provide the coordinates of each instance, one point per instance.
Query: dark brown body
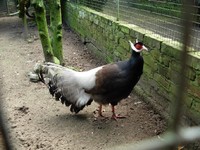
(115, 82)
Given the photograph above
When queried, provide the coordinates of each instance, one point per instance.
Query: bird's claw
(118, 116)
(98, 114)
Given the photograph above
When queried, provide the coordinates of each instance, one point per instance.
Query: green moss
(171, 51)
(148, 71)
(164, 71)
(194, 60)
(120, 35)
(174, 76)
(165, 60)
(134, 33)
(197, 80)
(163, 82)
(125, 30)
(190, 74)
(56, 60)
(121, 50)
(124, 43)
(196, 106)
(150, 61)
(155, 54)
(56, 29)
(43, 29)
(194, 90)
(173, 88)
(153, 43)
(189, 100)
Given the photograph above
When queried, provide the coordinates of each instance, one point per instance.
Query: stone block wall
(108, 40)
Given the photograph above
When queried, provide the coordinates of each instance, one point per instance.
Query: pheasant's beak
(135, 49)
(145, 48)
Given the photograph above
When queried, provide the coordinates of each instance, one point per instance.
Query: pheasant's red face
(138, 46)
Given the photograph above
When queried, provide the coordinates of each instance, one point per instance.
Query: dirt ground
(36, 121)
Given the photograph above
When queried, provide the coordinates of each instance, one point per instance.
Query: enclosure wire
(163, 18)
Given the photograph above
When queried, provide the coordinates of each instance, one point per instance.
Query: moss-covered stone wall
(108, 40)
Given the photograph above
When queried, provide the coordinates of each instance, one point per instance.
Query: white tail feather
(70, 83)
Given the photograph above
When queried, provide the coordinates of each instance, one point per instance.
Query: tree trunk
(56, 29)
(40, 14)
(25, 27)
(64, 10)
(22, 14)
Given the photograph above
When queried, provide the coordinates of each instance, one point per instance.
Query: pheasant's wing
(65, 85)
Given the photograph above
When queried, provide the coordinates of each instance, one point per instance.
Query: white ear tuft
(135, 49)
(136, 41)
(132, 45)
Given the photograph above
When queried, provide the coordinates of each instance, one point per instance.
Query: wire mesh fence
(163, 18)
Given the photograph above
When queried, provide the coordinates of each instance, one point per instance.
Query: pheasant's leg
(100, 111)
(114, 116)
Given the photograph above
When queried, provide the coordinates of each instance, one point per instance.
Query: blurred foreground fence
(179, 24)
(4, 138)
(162, 17)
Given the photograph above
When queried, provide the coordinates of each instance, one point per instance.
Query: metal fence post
(182, 82)
(117, 1)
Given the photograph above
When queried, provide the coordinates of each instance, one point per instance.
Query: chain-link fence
(163, 18)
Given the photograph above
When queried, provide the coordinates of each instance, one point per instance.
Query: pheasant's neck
(135, 54)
